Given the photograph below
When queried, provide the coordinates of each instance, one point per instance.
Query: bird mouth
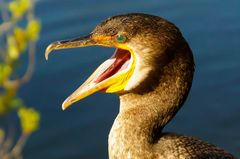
(118, 63)
(110, 77)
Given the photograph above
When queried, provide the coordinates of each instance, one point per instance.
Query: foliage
(19, 31)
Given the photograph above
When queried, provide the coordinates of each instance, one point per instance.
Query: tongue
(118, 62)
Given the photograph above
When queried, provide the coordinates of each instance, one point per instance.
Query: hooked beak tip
(49, 49)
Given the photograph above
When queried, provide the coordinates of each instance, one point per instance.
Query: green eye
(120, 38)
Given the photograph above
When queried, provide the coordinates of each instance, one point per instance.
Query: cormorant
(152, 71)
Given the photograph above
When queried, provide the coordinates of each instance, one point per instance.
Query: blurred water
(211, 112)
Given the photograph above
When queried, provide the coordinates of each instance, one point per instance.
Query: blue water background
(212, 110)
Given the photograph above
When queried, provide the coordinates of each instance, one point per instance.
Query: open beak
(111, 76)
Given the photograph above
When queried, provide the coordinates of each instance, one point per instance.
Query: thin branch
(7, 24)
(5, 17)
(8, 140)
(30, 68)
(31, 63)
(2, 54)
(4, 12)
(17, 149)
(2, 138)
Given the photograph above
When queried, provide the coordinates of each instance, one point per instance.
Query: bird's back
(171, 146)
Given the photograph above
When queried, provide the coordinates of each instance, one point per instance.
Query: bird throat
(138, 126)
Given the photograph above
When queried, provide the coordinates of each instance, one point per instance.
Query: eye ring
(120, 38)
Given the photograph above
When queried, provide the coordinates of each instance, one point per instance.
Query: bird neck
(142, 117)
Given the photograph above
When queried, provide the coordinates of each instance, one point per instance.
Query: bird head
(141, 42)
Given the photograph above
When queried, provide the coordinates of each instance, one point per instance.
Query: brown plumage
(155, 92)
